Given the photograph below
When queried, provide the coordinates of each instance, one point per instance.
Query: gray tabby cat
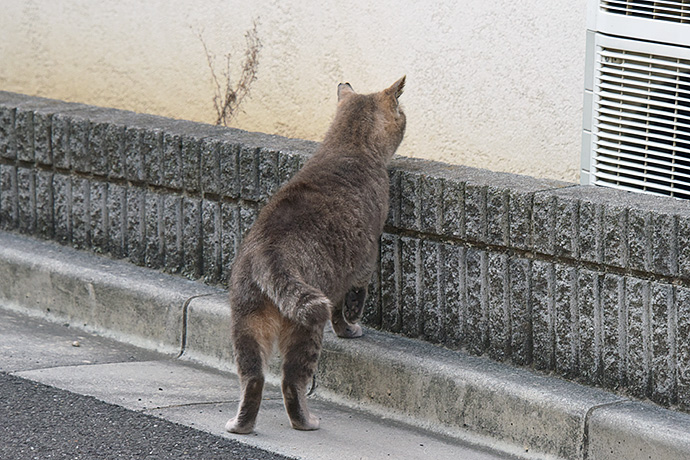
(310, 254)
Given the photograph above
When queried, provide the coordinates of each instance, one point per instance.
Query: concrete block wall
(589, 283)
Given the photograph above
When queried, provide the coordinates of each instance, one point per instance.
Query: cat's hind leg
(342, 327)
(300, 347)
(253, 337)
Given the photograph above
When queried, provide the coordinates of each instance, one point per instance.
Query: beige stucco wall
(491, 84)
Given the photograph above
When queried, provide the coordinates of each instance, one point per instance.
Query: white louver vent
(637, 96)
(642, 122)
(669, 10)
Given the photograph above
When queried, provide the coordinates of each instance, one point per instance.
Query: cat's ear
(344, 90)
(397, 88)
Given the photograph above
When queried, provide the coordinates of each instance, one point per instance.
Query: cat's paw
(312, 423)
(348, 331)
(233, 426)
(353, 306)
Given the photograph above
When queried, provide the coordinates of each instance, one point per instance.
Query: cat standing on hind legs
(310, 254)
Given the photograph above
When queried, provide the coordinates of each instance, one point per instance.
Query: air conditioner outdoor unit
(636, 127)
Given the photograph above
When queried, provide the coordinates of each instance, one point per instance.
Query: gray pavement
(140, 387)
(381, 396)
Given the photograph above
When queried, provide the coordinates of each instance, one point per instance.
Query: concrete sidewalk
(411, 399)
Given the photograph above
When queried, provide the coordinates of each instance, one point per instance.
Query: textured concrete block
(431, 205)
(211, 232)
(78, 141)
(191, 238)
(268, 173)
(589, 309)
(230, 236)
(81, 215)
(26, 200)
(639, 244)
(171, 161)
(98, 204)
(520, 275)
(497, 216)
(132, 154)
(42, 135)
(248, 214)
(372, 306)
(566, 226)
(391, 317)
(59, 140)
(664, 245)
(108, 152)
(62, 203)
(172, 233)
(229, 170)
(152, 153)
(663, 333)
(613, 326)
(135, 243)
(520, 218)
(453, 221)
(683, 247)
(452, 294)
(566, 321)
(543, 222)
(248, 168)
(682, 297)
(430, 306)
(191, 163)
(615, 224)
(475, 212)
(476, 318)
(154, 230)
(117, 225)
(638, 336)
(24, 135)
(590, 238)
(7, 139)
(543, 314)
(393, 218)
(288, 165)
(44, 203)
(410, 203)
(499, 306)
(210, 166)
(410, 295)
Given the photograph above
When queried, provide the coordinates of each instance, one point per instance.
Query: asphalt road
(41, 422)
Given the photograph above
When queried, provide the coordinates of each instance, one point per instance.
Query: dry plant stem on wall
(228, 97)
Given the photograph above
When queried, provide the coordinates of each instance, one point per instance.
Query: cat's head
(377, 120)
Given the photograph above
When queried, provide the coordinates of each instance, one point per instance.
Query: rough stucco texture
(490, 84)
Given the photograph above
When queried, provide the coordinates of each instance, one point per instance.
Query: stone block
(152, 147)
(98, 204)
(191, 163)
(24, 135)
(638, 336)
(108, 150)
(81, 215)
(391, 317)
(230, 236)
(211, 240)
(566, 320)
(543, 222)
(117, 225)
(78, 144)
(589, 309)
(682, 297)
(453, 220)
(248, 213)
(42, 138)
(566, 226)
(613, 330)
(476, 315)
(229, 170)
(154, 230)
(171, 162)
(520, 218)
(520, 274)
(44, 203)
(475, 212)
(615, 224)
(543, 314)
(191, 238)
(268, 174)
(7, 139)
(431, 205)
(497, 216)
(248, 168)
(639, 244)
(132, 154)
(372, 306)
(452, 293)
(62, 208)
(664, 243)
(430, 305)
(663, 333)
(683, 247)
(210, 166)
(288, 165)
(59, 140)
(410, 200)
(590, 236)
(410, 295)
(393, 219)
(172, 233)
(26, 200)
(135, 242)
(498, 306)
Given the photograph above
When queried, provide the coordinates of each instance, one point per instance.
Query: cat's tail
(295, 299)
